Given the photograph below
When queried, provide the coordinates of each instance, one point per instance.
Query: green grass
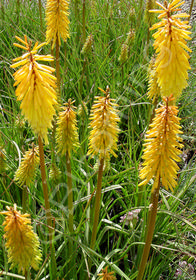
(118, 246)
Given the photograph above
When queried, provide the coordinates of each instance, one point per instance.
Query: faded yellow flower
(170, 44)
(153, 87)
(87, 48)
(104, 124)
(21, 242)
(162, 148)
(35, 87)
(123, 54)
(149, 17)
(57, 21)
(25, 173)
(66, 132)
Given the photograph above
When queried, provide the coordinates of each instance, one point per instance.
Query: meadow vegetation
(108, 51)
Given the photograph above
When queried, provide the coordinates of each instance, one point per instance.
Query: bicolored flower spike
(104, 124)
(66, 132)
(22, 243)
(26, 172)
(172, 61)
(35, 87)
(57, 12)
(162, 148)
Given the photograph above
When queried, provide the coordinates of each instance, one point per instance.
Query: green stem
(24, 199)
(70, 193)
(47, 206)
(70, 211)
(40, 15)
(191, 7)
(150, 231)
(18, 10)
(97, 205)
(83, 22)
(2, 12)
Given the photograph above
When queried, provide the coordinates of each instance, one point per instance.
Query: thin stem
(47, 206)
(191, 8)
(24, 199)
(18, 10)
(83, 22)
(40, 15)
(2, 11)
(70, 193)
(70, 211)
(97, 204)
(150, 231)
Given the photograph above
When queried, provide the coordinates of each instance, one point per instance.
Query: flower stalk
(47, 206)
(161, 154)
(150, 230)
(97, 204)
(103, 142)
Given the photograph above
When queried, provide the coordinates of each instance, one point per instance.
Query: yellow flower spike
(104, 124)
(25, 173)
(57, 21)
(105, 275)
(170, 44)
(66, 132)
(21, 242)
(162, 147)
(35, 88)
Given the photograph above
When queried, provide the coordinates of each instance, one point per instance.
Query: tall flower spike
(21, 242)
(57, 21)
(170, 44)
(162, 148)
(36, 87)
(25, 173)
(66, 133)
(104, 124)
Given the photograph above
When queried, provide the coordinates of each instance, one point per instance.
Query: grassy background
(118, 245)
